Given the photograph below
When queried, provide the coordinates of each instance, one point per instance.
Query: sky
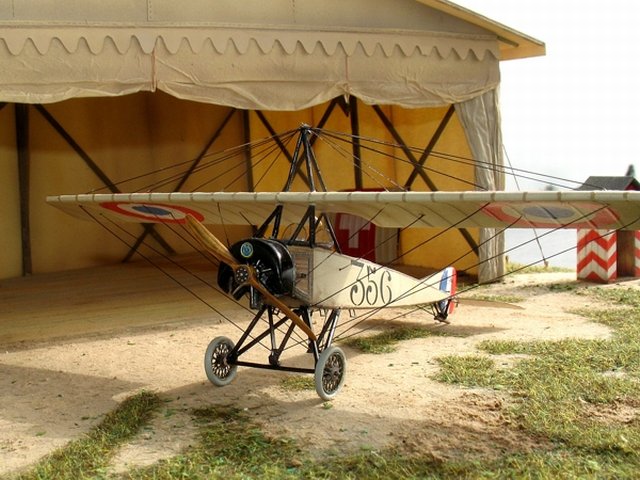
(576, 111)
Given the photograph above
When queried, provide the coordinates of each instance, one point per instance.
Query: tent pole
(355, 133)
(246, 133)
(22, 146)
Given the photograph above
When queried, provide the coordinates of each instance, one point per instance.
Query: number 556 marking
(368, 290)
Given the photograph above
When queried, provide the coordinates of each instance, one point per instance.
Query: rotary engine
(272, 263)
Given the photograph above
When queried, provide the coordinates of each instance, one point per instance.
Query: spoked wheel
(219, 371)
(330, 372)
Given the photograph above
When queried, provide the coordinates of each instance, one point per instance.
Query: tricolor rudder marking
(449, 284)
(597, 255)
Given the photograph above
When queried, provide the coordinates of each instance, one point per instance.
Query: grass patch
(298, 383)
(563, 392)
(496, 298)
(470, 370)
(514, 268)
(579, 394)
(88, 457)
(387, 341)
(230, 447)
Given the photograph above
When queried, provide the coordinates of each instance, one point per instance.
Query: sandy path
(51, 393)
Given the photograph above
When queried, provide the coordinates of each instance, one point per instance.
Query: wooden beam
(419, 170)
(355, 134)
(24, 167)
(432, 143)
(408, 153)
(246, 135)
(140, 240)
(149, 228)
(203, 152)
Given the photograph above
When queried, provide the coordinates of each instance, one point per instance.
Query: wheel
(219, 372)
(330, 372)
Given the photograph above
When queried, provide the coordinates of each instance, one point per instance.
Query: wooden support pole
(22, 146)
(355, 133)
(417, 164)
(432, 143)
(246, 134)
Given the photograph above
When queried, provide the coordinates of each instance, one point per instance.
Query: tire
(218, 370)
(330, 373)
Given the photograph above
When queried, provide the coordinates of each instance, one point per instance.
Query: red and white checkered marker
(597, 255)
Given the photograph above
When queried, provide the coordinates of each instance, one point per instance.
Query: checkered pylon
(597, 255)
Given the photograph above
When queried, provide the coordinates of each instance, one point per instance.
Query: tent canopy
(276, 55)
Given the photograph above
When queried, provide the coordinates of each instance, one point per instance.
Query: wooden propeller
(246, 273)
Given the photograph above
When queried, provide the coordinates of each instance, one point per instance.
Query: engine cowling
(272, 263)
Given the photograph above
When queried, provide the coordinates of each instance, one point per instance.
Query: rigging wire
(473, 287)
(522, 173)
(265, 148)
(535, 231)
(367, 315)
(394, 157)
(173, 278)
(215, 158)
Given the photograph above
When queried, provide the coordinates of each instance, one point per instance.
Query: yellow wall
(441, 248)
(10, 243)
(126, 137)
(132, 135)
(416, 128)
(114, 132)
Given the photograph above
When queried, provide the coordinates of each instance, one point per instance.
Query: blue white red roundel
(152, 212)
(546, 215)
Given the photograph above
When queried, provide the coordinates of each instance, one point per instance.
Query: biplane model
(289, 275)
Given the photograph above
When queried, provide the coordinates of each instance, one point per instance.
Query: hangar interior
(95, 93)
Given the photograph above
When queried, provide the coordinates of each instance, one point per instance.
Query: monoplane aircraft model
(288, 277)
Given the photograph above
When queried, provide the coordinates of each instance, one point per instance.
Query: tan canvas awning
(277, 55)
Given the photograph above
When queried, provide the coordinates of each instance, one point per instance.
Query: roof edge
(513, 44)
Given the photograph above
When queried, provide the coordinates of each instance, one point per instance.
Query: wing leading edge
(567, 209)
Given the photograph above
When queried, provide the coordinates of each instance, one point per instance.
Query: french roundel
(541, 215)
(152, 212)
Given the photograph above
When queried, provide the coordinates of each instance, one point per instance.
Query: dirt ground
(52, 392)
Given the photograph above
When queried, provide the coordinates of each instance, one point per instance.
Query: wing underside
(567, 209)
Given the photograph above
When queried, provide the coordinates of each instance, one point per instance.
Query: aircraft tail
(448, 284)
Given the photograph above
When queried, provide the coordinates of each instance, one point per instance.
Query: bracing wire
(267, 153)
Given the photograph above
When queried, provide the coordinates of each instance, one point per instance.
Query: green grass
(230, 447)
(297, 383)
(496, 298)
(89, 457)
(387, 341)
(514, 267)
(578, 394)
(578, 399)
